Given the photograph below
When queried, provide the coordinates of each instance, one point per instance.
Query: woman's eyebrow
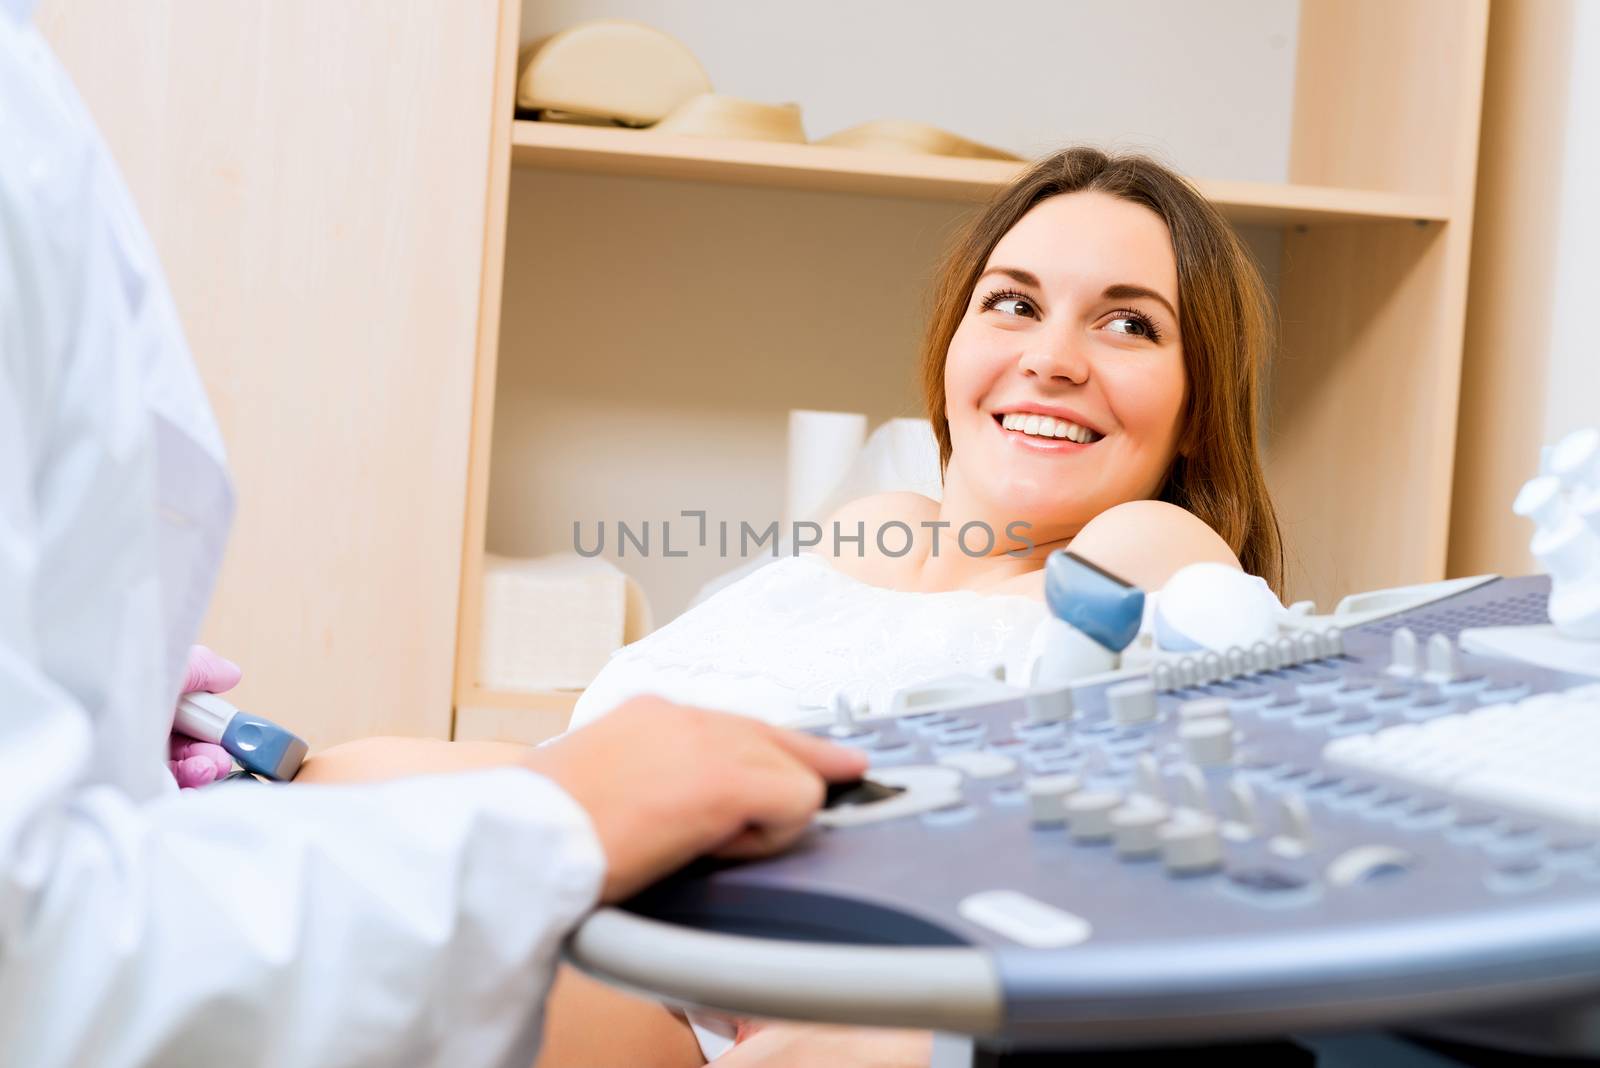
(1014, 272)
(1123, 291)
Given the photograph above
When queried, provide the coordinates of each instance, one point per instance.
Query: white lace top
(780, 643)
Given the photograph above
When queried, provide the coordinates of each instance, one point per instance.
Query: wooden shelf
(598, 150)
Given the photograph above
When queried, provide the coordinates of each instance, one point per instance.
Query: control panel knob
(1203, 708)
(1261, 658)
(1310, 647)
(1332, 639)
(844, 715)
(1161, 677)
(1444, 661)
(1136, 826)
(1089, 814)
(1295, 821)
(1147, 776)
(1208, 741)
(1132, 702)
(1049, 706)
(1190, 843)
(1243, 810)
(1238, 663)
(1403, 660)
(1192, 786)
(1047, 797)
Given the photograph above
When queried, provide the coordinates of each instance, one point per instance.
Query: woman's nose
(1055, 357)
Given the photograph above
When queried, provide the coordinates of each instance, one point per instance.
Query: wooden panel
(1509, 331)
(1362, 410)
(1387, 94)
(314, 176)
(487, 358)
(1365, 392)
(553, 146)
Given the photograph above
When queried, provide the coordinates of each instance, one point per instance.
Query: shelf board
(601, 150)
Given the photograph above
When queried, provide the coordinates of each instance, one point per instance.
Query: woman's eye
(1134, 326)
(1010, 303)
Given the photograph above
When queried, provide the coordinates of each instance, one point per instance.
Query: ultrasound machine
(1376, 823)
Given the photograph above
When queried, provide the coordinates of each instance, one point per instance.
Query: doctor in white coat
(411, 922)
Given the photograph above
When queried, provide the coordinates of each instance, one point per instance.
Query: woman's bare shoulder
(865, 518)
(1146, 542)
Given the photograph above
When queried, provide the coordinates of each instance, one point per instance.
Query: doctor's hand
(195, 763)
(664, 784)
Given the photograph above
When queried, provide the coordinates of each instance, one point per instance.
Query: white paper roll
(822, 448)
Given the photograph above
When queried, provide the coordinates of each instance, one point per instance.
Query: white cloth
(779, 643)
(412, 923)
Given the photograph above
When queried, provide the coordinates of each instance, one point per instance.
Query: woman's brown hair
(1226, 326)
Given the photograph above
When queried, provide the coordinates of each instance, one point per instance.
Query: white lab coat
(410, 923)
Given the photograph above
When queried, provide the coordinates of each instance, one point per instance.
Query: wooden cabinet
(682, 406)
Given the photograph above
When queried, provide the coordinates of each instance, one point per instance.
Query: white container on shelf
(551, 622)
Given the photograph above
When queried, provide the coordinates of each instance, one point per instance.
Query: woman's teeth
(1048, 426)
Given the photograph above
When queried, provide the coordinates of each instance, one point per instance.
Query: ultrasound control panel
(1351, 826)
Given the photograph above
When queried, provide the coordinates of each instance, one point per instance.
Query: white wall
(1572, 383)
(1025, 76)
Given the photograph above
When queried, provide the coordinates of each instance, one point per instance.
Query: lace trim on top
(809, 629)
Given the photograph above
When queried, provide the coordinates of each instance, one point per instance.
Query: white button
(1242, 807)
(1192, 786)
(1047, 797)
(1190, 843)
(1049, 706)
(1203, 708)
(980, 764)
(1207, 742)
(1089, 815)
(1363, 862)
(1444, 662)
(1132, 702)
(1023, 919)
(1403, 659)
(1147, 773)
(1136, 825)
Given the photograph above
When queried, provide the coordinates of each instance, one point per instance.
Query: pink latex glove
(199, 763)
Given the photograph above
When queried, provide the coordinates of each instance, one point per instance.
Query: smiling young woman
(1104, 294)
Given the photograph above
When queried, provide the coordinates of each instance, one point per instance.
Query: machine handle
(939, 988)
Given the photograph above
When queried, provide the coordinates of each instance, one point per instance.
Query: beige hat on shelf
(714, 115)
(899, 135)
(609, 72)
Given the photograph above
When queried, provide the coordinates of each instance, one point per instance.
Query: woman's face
(1065, 380)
